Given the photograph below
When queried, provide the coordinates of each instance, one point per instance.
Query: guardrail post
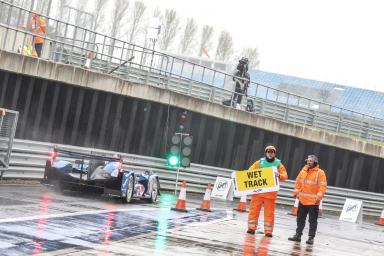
(147, 76)
(368, 133)
(286, 114)
(167, 80)
(312, 118)
(338, 129)
(213, 78)
(190, 87)
(262, 106)
(212, 95)
(191, 80)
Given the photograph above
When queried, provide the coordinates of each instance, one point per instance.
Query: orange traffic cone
(206, 203)
(242, 205)
(294, 208)
(381, 220)
(180, 205)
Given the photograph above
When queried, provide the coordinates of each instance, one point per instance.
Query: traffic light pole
(177, 179)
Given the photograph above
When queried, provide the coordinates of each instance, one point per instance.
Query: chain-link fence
(8, 124)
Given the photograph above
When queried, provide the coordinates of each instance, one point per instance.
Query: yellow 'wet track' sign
(256, 181)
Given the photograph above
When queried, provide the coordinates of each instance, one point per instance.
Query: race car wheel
(155, 192)
(129, 193)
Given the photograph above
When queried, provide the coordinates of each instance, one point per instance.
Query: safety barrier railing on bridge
(74, 45)
(28, 162)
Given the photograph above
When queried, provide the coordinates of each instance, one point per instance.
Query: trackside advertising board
(223, 189)
(352, 211)
(257, 181)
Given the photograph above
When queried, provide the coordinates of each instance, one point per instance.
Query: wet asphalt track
(36, 221)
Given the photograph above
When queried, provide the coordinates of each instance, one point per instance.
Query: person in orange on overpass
(310, 187)
(267, 199)
(38, 27)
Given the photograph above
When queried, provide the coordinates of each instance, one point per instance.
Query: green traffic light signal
(173, 160)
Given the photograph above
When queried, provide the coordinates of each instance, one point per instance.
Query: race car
(99, 174)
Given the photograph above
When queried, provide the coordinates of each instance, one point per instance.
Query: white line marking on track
(58, 215)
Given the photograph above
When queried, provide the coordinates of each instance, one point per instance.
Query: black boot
(295, 238)
(310, 240)
(268, 235)
(251, 231)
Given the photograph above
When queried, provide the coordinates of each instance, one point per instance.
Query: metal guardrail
(8, 124)
(71, 44)
(28, 162)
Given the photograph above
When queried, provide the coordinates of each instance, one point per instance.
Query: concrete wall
(67, 105)
(84, 78)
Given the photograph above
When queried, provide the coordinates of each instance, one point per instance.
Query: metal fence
(8, 124)
(74, 45)
(28, 162)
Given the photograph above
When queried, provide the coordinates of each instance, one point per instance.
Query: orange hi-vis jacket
(310, 185)
(38, 27)
(283, 176)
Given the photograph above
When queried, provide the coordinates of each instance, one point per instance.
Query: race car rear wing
(57, 152)
(79, 157)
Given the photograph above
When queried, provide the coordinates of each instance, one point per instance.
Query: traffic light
(173, 157)
(180, 150)
(179, 153)
(186, 151)
(181, 121)
(173, 160)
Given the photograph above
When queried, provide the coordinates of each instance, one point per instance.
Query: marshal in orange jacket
(38, 27)
(310, 185)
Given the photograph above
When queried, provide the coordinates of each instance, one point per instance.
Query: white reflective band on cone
(207, 195)
(183, 194)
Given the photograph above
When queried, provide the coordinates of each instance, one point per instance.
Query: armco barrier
(28, 162)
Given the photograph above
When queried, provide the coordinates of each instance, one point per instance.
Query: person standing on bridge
(38, 27)
(267, 199)
(310, 187)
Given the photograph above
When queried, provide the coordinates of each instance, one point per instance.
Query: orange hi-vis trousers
(257, 202)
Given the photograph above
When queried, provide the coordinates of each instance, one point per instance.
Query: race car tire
(155, 192)
(129, 193)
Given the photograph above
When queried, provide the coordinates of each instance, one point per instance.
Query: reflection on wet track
(35, 221)
(31, 237)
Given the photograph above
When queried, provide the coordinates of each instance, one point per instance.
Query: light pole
(153, 35)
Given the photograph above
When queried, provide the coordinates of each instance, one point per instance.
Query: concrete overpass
(70, 105)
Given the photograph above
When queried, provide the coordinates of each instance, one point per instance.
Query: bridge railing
(74, 45)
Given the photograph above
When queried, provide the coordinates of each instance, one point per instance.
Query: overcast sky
(338, 41)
